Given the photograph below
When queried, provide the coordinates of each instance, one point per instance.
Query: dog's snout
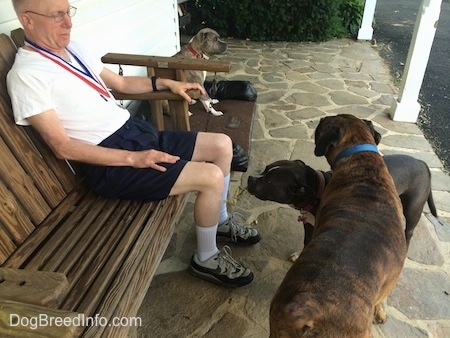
(251, 184)
(251, 180)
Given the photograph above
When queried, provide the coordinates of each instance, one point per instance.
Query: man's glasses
(59, 16)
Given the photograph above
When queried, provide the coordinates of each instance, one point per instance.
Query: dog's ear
(205, 36)
(326, 137)
(298, 163)
(376, 135)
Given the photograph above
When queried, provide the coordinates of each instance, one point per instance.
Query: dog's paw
(293, 257)
(189, 113)
(192, 101)
(379, 315)
(214, 101)
(215, 112)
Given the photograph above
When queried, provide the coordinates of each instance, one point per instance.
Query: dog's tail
(430, 199)
(431, 205)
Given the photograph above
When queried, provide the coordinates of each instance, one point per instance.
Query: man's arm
(48, 125)
(142, 84)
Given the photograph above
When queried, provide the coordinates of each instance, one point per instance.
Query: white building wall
(132, 26)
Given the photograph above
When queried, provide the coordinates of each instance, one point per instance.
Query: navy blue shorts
(141, 184)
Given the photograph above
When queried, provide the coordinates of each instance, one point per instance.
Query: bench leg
(157, 114)
(180, 116)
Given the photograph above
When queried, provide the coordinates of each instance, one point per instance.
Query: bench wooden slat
(96, 268)
(100, 271)
(16, 223)
(38, 288)
(62, 171)
(29, 246)
(17, 180)
(33, 311)
(113, 229)
(7, 245)
(81, 266)
(18, 37)
(141, 263)
(84, 233)
(25, 152)
(7, 54)
(51, 252)
(167, 62)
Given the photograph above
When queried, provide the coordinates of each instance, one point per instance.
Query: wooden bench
(65, 252)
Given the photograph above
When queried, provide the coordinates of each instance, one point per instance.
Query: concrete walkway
(297, 84)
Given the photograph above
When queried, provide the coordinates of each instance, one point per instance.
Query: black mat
(236, 120)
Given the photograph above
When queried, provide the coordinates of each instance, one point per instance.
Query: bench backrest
(32, 180)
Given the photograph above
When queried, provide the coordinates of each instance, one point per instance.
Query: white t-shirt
(37, 84)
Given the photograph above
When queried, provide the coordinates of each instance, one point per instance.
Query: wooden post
(366, 30)
(406, 107)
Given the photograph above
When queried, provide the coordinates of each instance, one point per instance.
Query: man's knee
(213, 175)
(212, 179)
(225, 145)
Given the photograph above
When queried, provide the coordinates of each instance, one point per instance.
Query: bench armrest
(170, 68)
(159, 95)
(167, 62)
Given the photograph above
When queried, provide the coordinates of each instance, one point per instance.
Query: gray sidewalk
(297, 84)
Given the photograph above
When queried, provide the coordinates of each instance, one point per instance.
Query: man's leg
(207, 178)
(211, 160)
(218, 149)
(208, 262)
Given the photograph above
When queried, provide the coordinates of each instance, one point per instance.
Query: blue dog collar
(356, 149)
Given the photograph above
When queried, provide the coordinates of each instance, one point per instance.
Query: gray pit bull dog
(203, 45)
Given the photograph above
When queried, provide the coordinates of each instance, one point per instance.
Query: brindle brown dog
(357, 252)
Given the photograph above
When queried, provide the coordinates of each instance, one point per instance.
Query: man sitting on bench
(63, 94)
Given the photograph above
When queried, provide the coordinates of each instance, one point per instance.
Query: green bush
(277, 20)
(351, 12)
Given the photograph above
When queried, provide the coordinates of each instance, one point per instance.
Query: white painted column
(406, 107)
(366, 30)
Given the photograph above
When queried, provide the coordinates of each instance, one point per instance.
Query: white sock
(206, 242)
(223, 207)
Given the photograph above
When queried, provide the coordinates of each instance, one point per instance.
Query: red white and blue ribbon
(84, 74)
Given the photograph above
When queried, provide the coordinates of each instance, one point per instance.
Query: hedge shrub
(277, 20)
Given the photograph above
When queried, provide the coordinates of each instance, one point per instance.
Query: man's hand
(151, 158)
(180, 88)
